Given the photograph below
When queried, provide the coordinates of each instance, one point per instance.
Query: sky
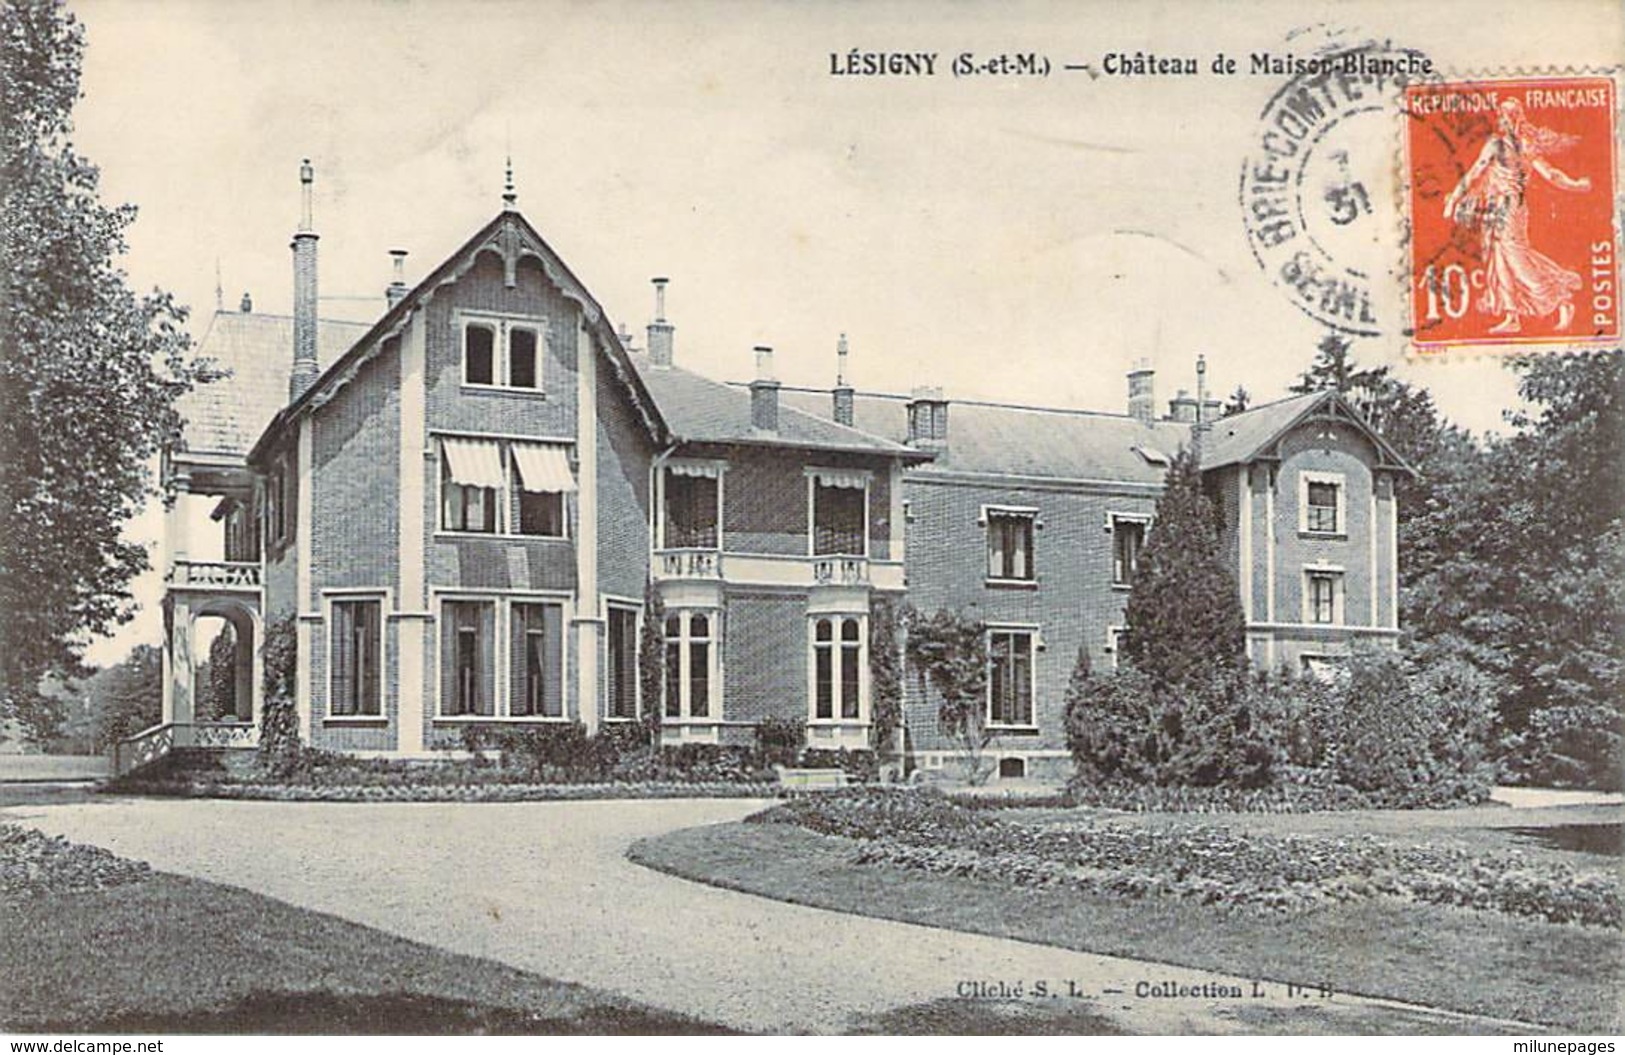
(1006, 238)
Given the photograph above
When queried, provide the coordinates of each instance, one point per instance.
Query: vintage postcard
(911, 519)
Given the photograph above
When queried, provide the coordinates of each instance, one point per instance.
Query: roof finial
(219, 294)
(509, 195)
(840, 361)
(307, 176)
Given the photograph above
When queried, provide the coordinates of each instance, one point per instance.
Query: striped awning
(543, 467)
(856, 479)
(695, 468)
(473, 463)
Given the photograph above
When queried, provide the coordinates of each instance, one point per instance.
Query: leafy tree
(948, 653)
(217, 678)
(1184, 611)
(128, 697)
(1516, 563)
(88, 372)
(1239, 401)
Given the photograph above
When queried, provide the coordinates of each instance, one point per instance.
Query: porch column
(178, 667)
(243, 668)
(177, 529)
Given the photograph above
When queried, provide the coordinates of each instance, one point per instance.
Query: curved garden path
(546, 887)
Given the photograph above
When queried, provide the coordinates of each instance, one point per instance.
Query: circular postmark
(1316, 188)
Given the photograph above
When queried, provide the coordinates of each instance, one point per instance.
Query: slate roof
(1240, 437)
(1024, 441)
(227, 416)
(697, 409)
(1060, 443)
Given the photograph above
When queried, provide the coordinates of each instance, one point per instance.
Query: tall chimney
(660, 331)
(397, 283)
(1182, 408)
(305, 369)
(843, 394)
(764, 393)
(1142, 399)
(928, 419)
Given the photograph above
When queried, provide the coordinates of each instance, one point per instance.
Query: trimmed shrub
(859, 765)
(1124, 727)
(780, 740)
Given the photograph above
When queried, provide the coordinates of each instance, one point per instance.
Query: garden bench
(812, 779)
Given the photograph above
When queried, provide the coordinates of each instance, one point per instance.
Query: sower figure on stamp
(1518, 280)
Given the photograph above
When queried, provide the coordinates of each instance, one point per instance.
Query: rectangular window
(467, 658)
(537, 657)
(839, 520)
(479, 354)
(1322, 600)
(623, 662)
(522, 372)
(279, 511)
(1323, 507)
(1128, 538)
(541, 513)
(500, 352)
(354, 658)
(470, 508)
(689, 655)
(1010, 686)
(471, 479)
(1115, 637)
(1009, 545)
(691, 511)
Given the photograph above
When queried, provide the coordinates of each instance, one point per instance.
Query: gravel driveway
(546, 887)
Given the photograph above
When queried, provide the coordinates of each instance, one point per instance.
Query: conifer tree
(1184, 611)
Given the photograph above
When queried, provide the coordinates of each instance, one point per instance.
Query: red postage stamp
(1512, 199)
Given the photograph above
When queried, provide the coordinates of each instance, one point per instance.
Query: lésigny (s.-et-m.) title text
(860, 63)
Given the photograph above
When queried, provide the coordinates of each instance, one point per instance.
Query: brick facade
(371, 434)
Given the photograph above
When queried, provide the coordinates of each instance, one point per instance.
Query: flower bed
(1208, 863)
(493, 791)
(33, 863)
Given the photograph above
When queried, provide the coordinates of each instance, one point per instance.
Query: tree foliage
(1523, 570)
(88, 371)
(1184, 610)
(217, 678)
(126, 698)
(947, 650)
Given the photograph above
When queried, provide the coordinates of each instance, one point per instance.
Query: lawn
(167, 954)
(1563, 975)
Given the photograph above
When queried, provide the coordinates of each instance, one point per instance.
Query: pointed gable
(510, 237)
(1253, 434)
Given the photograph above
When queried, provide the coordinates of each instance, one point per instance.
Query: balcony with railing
(701, 564)
(229, 575)
(770, 569)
